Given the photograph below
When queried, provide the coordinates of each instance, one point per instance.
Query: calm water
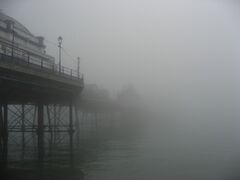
(155, 158)
(156, 153)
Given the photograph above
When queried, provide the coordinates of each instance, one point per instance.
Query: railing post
(41, 63)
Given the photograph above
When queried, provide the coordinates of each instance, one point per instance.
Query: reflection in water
(156, 153)
(127, 160)
(154, 157)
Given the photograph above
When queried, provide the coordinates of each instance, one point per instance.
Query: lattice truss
(23, 130)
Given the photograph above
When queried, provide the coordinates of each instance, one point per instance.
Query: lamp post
(13, 38)
(78, 58)
(60, 49)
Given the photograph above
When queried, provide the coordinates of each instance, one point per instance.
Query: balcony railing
(17, 55)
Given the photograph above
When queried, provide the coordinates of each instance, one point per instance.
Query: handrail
(16, 47)
(20, 55)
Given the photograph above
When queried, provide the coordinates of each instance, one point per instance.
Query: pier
(36, 99)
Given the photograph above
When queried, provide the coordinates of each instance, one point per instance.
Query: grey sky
(181, 55)
(160, 46)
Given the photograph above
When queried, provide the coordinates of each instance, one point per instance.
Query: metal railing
(13, 53)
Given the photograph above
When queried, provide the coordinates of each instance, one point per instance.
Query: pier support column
(4, 135)
(71, 127)
(1, 136)
(23, 131)
(77, 125)
(40, 132)
(54, 124)
(50, 128)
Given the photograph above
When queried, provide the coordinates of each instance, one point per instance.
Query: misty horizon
(179, 59)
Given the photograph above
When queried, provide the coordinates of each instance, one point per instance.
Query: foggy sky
(181, 55)
(169, 49)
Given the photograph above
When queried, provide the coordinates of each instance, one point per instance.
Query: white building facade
(17, 40)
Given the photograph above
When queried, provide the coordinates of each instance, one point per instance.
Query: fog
(182, 56)
(155, 45)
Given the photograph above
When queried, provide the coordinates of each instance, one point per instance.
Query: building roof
(17, 25)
